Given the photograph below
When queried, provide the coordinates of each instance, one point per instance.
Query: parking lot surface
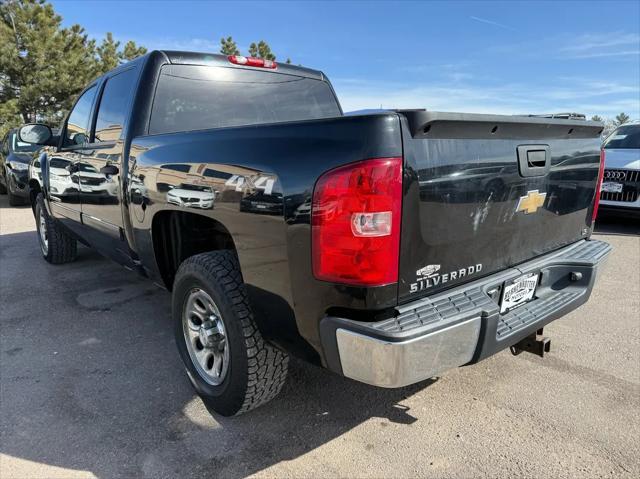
(92, 386)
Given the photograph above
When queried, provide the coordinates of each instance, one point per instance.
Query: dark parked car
(368, 265)
(15, 156)
(258, 202)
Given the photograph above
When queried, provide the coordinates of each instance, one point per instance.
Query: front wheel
(56, 244)
(228, 362)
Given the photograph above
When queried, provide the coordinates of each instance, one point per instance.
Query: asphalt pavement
(91, 385)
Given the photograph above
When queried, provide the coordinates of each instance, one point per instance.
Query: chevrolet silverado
(387, 246)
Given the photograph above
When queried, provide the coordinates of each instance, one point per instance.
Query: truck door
(63, 182)
(100, 166)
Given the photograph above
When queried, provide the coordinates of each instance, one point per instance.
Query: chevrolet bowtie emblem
(530, 203)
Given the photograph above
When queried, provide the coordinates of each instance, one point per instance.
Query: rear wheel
(56, 244)
(227, 360)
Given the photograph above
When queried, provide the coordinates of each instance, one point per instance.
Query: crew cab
(386, 246)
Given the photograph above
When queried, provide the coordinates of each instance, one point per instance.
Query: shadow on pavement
(91, 381)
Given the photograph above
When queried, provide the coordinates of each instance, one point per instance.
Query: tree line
(43, 66)
(228, 46)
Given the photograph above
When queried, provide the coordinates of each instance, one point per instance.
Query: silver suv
(621, 181)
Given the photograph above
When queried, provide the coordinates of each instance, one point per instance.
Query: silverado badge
(428, 270)
(431, 276)
(531, 202)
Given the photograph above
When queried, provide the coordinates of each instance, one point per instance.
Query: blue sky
(488, 57)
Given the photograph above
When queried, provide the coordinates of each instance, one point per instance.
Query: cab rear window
(192, 97)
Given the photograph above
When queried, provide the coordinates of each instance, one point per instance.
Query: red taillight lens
(252, 61)
(596, 201)
(355, 222)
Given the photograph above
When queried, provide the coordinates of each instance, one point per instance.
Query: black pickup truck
(386, 247)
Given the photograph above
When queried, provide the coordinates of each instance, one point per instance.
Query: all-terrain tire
(60, 246)
(257, 370)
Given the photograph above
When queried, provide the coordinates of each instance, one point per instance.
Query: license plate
(261, 207)
(611, 187)
(519, 291)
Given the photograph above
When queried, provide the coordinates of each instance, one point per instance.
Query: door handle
(534, 160)
(109, 170)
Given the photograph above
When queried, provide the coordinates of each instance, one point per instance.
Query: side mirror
(36, 134)
(80, 139)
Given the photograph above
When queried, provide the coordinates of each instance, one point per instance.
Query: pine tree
(621, 119)
(110, 55)
(228, 46)
(43, 66)
(596, 118)
(107, 54)
(131, 51)
(261, 50)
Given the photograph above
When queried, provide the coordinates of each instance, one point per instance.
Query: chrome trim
(103, 226)
(99, 222)
(61, 209)
(395, 364)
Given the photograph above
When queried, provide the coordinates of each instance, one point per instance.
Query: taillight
(252, 61)
(355, 222)
(596, 201)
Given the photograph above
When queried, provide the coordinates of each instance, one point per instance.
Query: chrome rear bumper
(462, 325)
(395, 364)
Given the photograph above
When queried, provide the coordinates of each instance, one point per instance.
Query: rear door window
(114, 106)
(191, 97)
(77, 130)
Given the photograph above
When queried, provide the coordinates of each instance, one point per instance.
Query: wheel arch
(178, 235)
(34, 190)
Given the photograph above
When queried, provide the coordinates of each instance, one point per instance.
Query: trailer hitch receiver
(535, 343)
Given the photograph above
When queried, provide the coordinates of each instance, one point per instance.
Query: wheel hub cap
(42, 229)
(211, 333)
(205, 336)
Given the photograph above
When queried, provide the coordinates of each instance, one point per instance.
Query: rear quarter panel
(273, 244)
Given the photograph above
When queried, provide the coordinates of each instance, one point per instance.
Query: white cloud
(208, 45)
(582, 96)
(578, 88)
(607, 54)
(493, 23)
(563, 46)
(592, 41)
(601, 45)
(195, 44)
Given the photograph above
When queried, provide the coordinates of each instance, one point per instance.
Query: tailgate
(486, 192)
